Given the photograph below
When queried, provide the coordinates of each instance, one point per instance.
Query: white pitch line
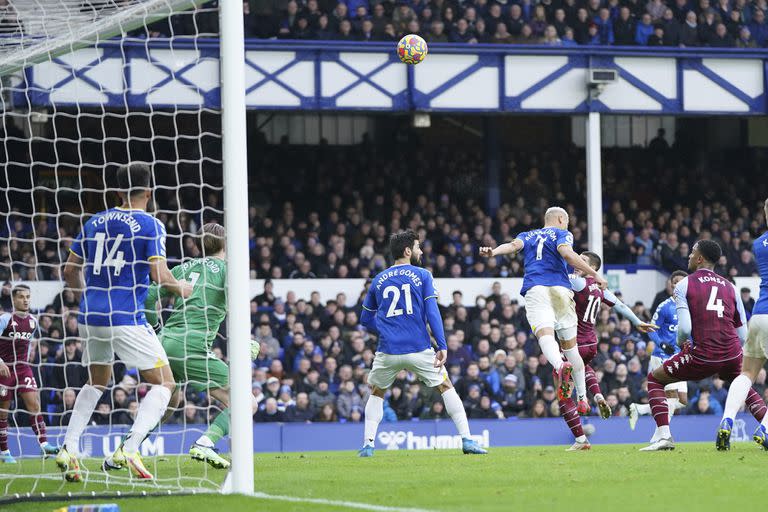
(338, 503)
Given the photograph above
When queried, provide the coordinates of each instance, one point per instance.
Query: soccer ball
(412, 49)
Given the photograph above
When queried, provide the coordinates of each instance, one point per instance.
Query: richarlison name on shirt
(127, 218)
(407, 272)
(549, 232)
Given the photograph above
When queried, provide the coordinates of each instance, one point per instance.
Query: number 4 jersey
(195, 321)
(398, 296)
(711, 309)
(117, 246)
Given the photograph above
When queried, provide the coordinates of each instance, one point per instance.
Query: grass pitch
(615, 477)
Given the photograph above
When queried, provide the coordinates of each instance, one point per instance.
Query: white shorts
(387, 366)
(680, 387)
(552, 307)
(757, 340)
(136, 345)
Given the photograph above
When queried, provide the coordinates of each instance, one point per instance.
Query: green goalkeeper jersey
(195, 320)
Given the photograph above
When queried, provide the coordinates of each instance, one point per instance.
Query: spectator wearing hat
(485, 410)
(272, 388)
(747, 300)
(689, 35)
(512, 398)
(435, 412)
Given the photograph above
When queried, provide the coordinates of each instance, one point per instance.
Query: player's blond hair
(212, 238)
(765, 208)
(553, 211)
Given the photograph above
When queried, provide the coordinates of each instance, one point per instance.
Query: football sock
(755, 405)
(551, 351)
(591, 379)
(455, 410)
(38, 427)
(643, 409)
(151, 409)
(658, 401)
(581, 439)
(672, 406)
(737, 395)
(4, 434)
(573, 357)
(374, 412)
(85, 403)
(571, 417)
(218, 429)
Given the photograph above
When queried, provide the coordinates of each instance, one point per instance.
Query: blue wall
(298, 437)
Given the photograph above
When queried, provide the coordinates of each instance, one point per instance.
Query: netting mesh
(70, 118)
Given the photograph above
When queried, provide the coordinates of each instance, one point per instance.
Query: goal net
(86, 87)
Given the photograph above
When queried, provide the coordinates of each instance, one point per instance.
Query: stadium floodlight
(59, 159)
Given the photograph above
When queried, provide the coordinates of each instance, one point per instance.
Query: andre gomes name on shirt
(407, 272)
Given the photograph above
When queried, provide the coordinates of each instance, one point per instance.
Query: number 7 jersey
(398, 296)
(117, 246)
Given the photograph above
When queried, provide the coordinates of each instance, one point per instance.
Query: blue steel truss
(334, 76)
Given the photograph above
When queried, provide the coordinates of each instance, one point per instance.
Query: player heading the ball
(400, 303)
(549, 305)
(120, 251)
(17, 330)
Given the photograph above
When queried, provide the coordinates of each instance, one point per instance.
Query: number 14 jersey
(117, 246)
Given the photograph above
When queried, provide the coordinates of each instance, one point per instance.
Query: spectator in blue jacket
(644, 30)
(489, 373)
(604, 26)
(758, 28)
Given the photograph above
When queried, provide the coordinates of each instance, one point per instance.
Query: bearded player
(189, 333)
(549, 305)
(401, 302)
(755, 353)
(711, 317)
(589, 297)
(665, 346)
(18, 329)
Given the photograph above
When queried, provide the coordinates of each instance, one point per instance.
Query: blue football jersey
(397, 296)
(665, 317)
(543, 264)
(117, 246)
(760, 250)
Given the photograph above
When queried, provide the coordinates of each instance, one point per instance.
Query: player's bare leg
(151, 411)
(374, 413)
(563, 369)
(737, 395)
(660, 410)
(85, 404)
(5, 453)
(31, 401)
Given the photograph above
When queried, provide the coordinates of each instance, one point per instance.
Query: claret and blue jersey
(117, 246)
(544, 266)
(398, 298)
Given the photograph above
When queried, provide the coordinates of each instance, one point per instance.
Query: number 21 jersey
(398, 296)
(117, 246)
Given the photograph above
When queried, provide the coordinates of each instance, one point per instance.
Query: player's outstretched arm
(512, 247)
(627, 313)
(73, 274)
(574, 260)
(161, 274)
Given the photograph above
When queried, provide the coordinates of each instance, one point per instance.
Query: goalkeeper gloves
(667, 348)
(255, 349)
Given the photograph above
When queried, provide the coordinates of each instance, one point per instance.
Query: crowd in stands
(315, 356)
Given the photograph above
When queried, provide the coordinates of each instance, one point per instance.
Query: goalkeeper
(188, 334)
